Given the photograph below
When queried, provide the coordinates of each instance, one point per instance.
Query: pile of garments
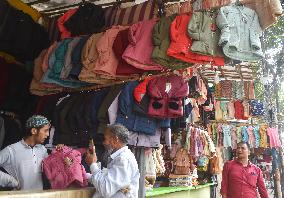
(124, 52)
(228, 135)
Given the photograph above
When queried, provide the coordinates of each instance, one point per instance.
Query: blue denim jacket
(126, 116)
(240, 33)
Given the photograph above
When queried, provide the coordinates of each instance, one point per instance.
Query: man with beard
(121, 178)
(241, 178)
(22, 160)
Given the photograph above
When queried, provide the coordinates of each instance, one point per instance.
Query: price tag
(168, 87)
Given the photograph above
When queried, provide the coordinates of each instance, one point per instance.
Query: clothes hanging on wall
(31, 34)
(88, 19)
(255, 135)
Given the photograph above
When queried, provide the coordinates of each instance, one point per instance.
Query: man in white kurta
(121, 177)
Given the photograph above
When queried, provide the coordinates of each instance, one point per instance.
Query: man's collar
(116, 153)
(28, 146)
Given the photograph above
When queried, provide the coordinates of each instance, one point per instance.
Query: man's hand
(91, 158)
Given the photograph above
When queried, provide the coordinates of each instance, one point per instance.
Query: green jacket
(203, 30)
(161, 42)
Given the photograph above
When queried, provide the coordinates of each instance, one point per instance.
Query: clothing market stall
(174, 73)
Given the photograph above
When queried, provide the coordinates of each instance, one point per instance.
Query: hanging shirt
(23, 163)
(122, 172)
(273, 137)
(245, 134)
(227, 141)
(251, 137)
(257, 136)
(263, 136)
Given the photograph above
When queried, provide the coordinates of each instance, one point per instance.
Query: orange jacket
(181, 44)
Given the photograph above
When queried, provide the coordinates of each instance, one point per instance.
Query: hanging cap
(37, 121)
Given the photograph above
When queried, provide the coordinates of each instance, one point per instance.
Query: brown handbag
(182, 163)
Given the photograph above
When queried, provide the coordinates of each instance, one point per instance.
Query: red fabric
(141, 89)
(181, 44)
(60, 23)
(120, 44)
(241, 182)
(239, 110)
(159, 96)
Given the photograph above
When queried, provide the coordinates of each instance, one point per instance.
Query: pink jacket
(140, 48)
(166, 94)
(63, 168)
(107, 62)
(60, 23)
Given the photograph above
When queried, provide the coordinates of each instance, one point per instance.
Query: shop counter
(176, 192)
(68, 193)
(162, 192)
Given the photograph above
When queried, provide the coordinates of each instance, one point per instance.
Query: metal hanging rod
(36, 2)
(62, 9)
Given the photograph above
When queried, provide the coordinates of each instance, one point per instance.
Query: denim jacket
(240, 33)
(127, 117)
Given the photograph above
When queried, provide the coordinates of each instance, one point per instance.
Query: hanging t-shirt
(257, 108)
(251, 136)
(257, 136)
(245, 134)
(239, 110)
(273, 137)
(263, 136)
(227, 141)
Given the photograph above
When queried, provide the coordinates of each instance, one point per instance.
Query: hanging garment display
(31, 34)
(88, 19)
(89, 58)
(203, 30)
(138, 53)
(76, 58)
(257, 108)
(119, 46)
(128, 118)
(240, 37)
(161, 42)
(274, 141)
(106, 63)
(268, 10)
(181, 43)
(60, 23)
(166, 94)
(68, 64)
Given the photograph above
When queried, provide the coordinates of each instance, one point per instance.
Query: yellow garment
(8, 58)
(263, 136)
(18, 4)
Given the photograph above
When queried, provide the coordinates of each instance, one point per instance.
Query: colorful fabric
(227, 135)
(37, 121)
